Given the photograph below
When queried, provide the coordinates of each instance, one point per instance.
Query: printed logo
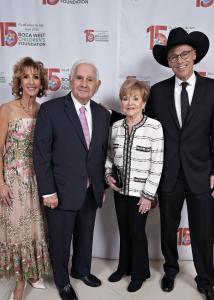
(92, 35)
(54, 81)
(156, 36)
(2, 77)
(8, 36)
(146, 79)
(206, 74)
(202, 73)
(22, 34)
(58, 79)
(204, 3)
(54, 2)
(89, 35)
(50, 2)
(183, 237)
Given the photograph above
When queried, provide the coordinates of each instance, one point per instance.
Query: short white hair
(83, 61)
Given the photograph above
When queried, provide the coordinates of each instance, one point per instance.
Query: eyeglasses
(184, 55)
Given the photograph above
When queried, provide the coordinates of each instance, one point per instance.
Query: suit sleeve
(106, 137)
(212, 143)
(42, 153)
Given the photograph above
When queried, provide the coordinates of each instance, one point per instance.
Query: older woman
(133, 171)
(23, 246)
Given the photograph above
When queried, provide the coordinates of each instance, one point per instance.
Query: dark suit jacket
(61, 159)
(191, 146)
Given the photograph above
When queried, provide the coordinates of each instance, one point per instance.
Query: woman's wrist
(107, 177)
(3, 183)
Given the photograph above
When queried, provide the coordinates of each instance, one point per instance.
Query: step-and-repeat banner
(117, 35)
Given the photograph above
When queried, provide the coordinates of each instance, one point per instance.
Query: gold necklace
(24, 108)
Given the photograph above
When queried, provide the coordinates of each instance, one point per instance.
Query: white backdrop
(118, 36)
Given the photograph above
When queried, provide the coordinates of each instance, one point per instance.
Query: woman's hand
(144, 205)
(6, 195)
(112, 183)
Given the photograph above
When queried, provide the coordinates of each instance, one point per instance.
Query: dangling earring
(40, 94)
(20, 91)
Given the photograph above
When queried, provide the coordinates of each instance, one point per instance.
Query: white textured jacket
(138, 156)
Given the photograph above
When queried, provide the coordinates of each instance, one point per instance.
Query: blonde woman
(133, 171)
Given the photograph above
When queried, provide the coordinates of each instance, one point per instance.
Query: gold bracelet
(3, 184)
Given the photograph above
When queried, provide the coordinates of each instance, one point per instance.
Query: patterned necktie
(84, 124)
(184, 101)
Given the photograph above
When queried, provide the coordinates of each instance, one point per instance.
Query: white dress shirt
(177, 93)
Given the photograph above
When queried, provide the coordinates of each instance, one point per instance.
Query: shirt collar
(191, 81)
(78, 105)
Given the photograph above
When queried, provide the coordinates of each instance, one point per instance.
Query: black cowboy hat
(178, 36)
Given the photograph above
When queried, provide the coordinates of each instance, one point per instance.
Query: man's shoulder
(100, 109)
(208, 80)
(205, 83)
(164, 83)
(55, 102)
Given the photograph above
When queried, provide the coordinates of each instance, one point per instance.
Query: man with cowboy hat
(184, 104)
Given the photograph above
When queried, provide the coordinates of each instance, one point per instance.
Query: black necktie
(184, 101)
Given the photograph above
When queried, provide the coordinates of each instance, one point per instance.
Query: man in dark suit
(186, 112)
(71, 138)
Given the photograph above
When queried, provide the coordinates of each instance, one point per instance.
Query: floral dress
(23, 244)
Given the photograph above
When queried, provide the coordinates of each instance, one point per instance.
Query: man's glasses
(184, 55)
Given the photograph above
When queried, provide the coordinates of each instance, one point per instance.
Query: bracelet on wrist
(3, 184)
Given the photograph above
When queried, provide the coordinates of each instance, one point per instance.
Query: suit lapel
(72, 115)
(170, 98)
(197, 97)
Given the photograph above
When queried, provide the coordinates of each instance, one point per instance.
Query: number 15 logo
(156, 37)
(8, 37)
(50, 2)
(204, 3)
(54, 81)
